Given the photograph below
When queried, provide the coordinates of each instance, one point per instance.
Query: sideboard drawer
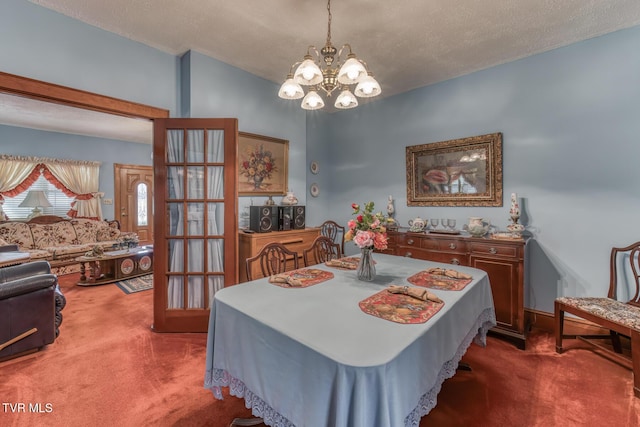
(490, 249)
(451, 245)
(444, 257)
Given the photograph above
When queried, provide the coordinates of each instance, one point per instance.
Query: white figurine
(390, 209)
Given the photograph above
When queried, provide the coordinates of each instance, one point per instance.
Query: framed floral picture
(262, 165)
(459, 172)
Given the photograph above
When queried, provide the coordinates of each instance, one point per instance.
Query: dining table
(313, 356)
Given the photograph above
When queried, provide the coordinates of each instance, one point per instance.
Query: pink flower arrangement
(367, 230)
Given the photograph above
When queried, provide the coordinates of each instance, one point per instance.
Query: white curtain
(197, 179)
(14, 170)
(82, 179)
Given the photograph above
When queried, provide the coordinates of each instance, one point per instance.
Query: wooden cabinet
(251, 243)
(503, 260)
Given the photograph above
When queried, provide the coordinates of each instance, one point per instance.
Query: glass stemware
(443, 222)
(451, 223)
(434, 222)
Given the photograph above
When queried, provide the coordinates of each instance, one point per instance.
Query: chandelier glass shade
(325, 73)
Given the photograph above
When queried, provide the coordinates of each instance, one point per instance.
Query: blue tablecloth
(311, 357)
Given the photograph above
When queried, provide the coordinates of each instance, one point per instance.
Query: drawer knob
(455, 261)
(408, 254)
(493, 251)
(452, 245)
(410, 242)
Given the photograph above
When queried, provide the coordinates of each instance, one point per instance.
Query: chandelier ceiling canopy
(321, 74)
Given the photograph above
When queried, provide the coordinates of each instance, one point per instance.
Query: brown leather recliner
(30, 308)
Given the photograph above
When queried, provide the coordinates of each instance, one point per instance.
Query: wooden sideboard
(503, 260)
(251, 243)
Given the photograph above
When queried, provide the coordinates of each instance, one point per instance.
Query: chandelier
(321, 74)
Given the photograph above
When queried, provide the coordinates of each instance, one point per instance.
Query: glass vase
(366, 267)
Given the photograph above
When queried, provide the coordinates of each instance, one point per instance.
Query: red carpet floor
(107, 368)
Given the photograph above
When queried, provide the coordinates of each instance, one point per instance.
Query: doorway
(134, 199)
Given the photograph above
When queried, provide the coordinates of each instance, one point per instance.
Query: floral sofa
(60, 241)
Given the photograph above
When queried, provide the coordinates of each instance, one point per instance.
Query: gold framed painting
(458, 172)
(262, 165)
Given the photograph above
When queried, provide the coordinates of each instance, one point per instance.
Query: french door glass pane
(175, 146)
(195, 219)
(195, 182)
(196, 255)
(216, 219)
(195, 146)
(215, 146)
(176, 255)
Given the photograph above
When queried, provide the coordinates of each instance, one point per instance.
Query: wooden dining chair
(321, 250)
(619, 312)
(334, 231)
(272, 259)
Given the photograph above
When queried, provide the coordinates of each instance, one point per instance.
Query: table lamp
(35, 199)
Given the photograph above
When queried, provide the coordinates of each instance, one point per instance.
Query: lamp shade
(308, 73)
(312, 101)
(368, 87)
(34, 199)
(290, 89)
(351, 72)
(346, 100)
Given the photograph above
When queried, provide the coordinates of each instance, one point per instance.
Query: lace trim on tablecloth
(217, 378)
(478, 335)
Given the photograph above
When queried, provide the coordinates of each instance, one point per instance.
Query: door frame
(57, 94)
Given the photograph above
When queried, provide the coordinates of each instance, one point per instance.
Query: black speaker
(285, 218)
(263, 219)
(298, 217)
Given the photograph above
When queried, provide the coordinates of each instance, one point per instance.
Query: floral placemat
(438, 281)
(344, 263)
(399, 308)
(300, 278)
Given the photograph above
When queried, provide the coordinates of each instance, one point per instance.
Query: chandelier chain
(329, 23)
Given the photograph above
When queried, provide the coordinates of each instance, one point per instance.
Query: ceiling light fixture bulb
(346, 100)
(352, 71)
(368, 87)
(312, 101)
(308, 73)
(290, 89)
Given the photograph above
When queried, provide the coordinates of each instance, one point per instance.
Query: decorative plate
(145, 263)
(315, 167)
(314, 190)
(127, 266)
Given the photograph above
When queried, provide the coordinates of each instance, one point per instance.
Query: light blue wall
(570, 128)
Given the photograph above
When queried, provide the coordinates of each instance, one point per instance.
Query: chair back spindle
(272, 259)
(321, 250)
(626, 259)
(334, 231)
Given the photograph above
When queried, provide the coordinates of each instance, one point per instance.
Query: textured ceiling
(406, 43)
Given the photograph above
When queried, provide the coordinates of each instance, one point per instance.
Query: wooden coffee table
(115, 265)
